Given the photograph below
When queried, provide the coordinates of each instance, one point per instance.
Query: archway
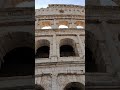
(42, 52)
(68, 48)
(47, 27)
(80, 27)
(43, 49)
(74, 86)
(17, 54)
(18, 62)
(39, 87)
(63, 26)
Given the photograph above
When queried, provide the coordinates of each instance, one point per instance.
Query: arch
(43, 49)
(68, 48)
(63, 24)
(74, 86)
(45, 25)
(18, 62)
(80, 27)
(12, 40)
(15, 43)
(80, 24)
(39, 87)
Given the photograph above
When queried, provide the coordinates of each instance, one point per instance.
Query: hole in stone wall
(74, 86)
(42, 52)
(38, 87)
(18, 62)
(63, 26)
(47, 27)
(66, 50)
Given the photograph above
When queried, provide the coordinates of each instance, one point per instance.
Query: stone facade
(102, 47)
(59, 71)
(16, 32)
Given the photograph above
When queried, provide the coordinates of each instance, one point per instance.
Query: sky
(44, 3)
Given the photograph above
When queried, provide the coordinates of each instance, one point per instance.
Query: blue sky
(44, 3)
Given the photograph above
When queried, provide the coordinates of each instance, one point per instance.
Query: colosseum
(17, 45)
(76, 47)
(59, 47)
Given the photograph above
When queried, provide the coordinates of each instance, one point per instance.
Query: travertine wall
(55, 72)
(56, 15)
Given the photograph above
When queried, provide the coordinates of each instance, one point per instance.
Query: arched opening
(68, 48)
(80, 27)
(18, 62)
(63, 26)
(47, 27)
(42, 52)
(80, 24)
(39, 87)
(74, 86)
(43, 49)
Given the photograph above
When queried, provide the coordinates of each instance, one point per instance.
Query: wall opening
(80, 27)
(66, 51)
(42, 52)
(74, 86)
(63, 26)
(18, 62)
(68, 48)
(43, 49)
(39, 87)
(47, 27)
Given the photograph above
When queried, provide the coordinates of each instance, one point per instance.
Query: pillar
(82, 48)
(54, 51)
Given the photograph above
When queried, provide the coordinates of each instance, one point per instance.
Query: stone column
(72, 25)
(54, 82)
(82, 48)
(54, 51)
(54, 26)
(110, 44)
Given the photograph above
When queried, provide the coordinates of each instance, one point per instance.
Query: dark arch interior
(74, 86)
(42, 52)
(38, 87)
(66, 50)
(90, 65)
(18, 62)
